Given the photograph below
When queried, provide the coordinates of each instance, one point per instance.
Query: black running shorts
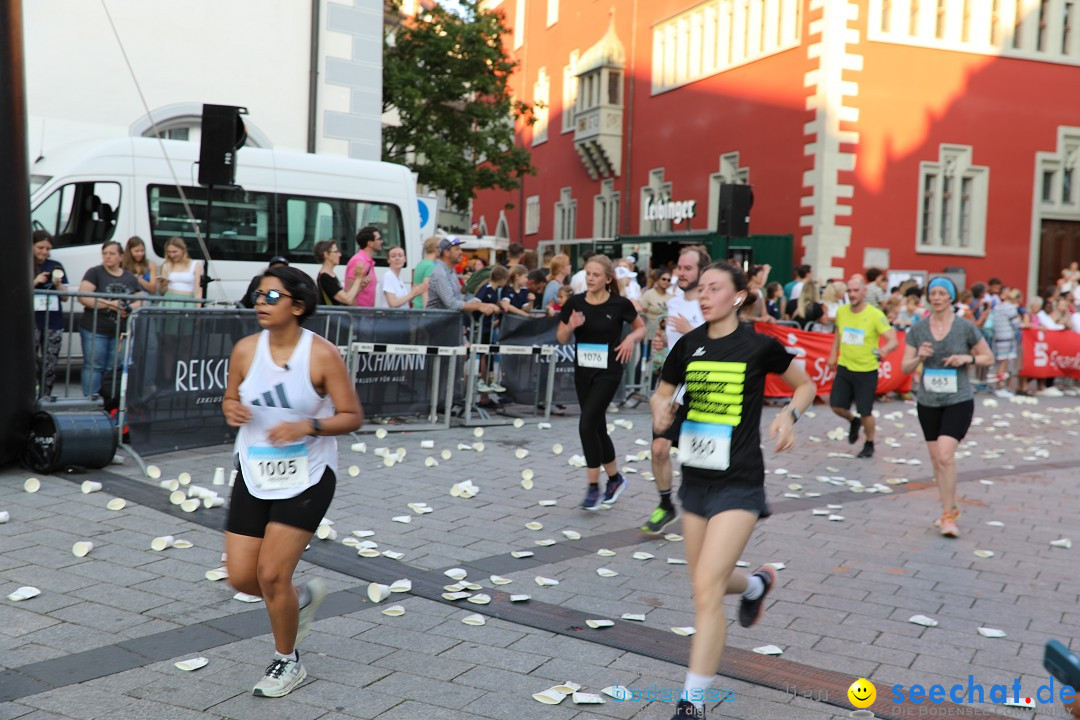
(249, 515)
(857, 387)
(712, 498)
(950, 420)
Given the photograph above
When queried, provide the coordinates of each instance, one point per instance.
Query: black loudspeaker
(223, 133)
(59, 440)
(734, 217)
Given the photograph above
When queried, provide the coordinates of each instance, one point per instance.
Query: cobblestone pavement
(101, 639)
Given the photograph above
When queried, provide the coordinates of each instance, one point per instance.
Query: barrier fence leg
(470, 385)
(433, 416)
(552, 366)
(450, 376)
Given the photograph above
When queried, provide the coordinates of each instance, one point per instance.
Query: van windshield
(36, 181)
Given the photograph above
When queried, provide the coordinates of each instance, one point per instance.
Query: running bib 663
(705, 445)
(940, 381)
(592, 356)
(853, 336)
(277, 468)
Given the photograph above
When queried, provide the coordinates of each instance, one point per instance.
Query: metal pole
(16, 283)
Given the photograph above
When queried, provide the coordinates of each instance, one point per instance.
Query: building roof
(609, 52)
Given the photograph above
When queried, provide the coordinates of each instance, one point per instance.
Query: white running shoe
(317, 593)
(482, 387)
(1003, 393)
(496, 387)
(282, 677)
(1051, 392)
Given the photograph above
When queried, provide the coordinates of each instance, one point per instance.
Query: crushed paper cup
(984, 554)
(534, 526)
(478, 432)
(480, 599)
(642, 556)
(545, 543)
(571, 534)
(673, 537)
(456, 587)
(116, 504)
(768, 650)
(543, 426)
(519, 554)
(89, 486)
(741, 564)
(616, 691)
(394, 611)
(1062, 543)
(995, 523)
(191, 664)
(597, 624)
(521, 453)
(82, 548)
(686, 631)
(991, 632)
(776, 565)
(581, 698)
(546, 582)
(377, 592)
(606, 572)
(182, 544)
(4, 516)
(190, 505)
(244, 597)
(636, 617)
(184, 478)
(478, 446)
(923, 620)
(392, 555)
(32, 485)
(836, 518)
(474, 619)
(548, 503)
(401, 586)
(217, 574)
(676, 561)
(458, 595)
(567, 687)
(819, 512)
(471, 586)
(153, 472)
(24, 593)
(419, 508)
(456, 574)
(162, 543)
(625, 424)
(500, 580)
(604, 552)
(519, 423)
(402, 519)
(363, 533)
(518, 598)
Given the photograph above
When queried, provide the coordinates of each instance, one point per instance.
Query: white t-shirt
(795, 290)
(689, 309)
(389, 283)
(577, 282)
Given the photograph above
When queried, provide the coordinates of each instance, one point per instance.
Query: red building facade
(909, 134)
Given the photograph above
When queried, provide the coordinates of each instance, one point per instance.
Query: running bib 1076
(592, 356)
(705, 445)
(277, 468)
(853, 336)
(940, 381)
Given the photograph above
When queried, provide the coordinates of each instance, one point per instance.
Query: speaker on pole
(734, 215)
(223, 134)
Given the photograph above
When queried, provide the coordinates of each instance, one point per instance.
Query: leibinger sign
(676, 212)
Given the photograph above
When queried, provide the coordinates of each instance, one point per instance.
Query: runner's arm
(891, 342)
(334, 381)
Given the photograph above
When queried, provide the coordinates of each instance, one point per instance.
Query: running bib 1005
(592, 356)
(705, 445)
(277, 468)
(853, 336)
(940, 381)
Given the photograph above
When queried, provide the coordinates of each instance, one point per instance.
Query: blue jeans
(99, 354)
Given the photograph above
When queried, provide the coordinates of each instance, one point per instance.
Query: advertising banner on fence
(811, 350)
(519, 372)
(1050, 353)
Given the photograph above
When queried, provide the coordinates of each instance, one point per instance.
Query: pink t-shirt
(366, 297)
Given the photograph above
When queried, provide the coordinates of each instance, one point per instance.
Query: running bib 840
(705, 445)
(592, 356)
(277, 468)
(940, 381)
(853, 336)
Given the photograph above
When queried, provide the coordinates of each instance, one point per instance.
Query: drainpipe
(313, 75)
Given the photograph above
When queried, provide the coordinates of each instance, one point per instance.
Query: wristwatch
(795, 414)
(316, 427)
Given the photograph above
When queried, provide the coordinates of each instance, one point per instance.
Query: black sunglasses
(272, 296)
(665, 279)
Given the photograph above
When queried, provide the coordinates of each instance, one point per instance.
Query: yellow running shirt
(859, 336)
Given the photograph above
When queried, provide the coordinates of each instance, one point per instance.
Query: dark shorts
(712, 498)
(950, 420)
(249, 515)
(672, 433)
(857, 387)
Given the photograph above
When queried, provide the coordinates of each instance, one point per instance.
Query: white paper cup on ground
(116, 504)
(213, 501)
(427, 444)
(191, 664)
(190, 505)
(325, 532)
(474, 619)
(153, 472)
(219, 476)
(380, 433)
(184, 478)
(551, 696)
(182, 544)
(32, 485)
(24, 593)
(377, 592)
(161, 543)
(170, 485)
(4, 516)
(176, 497)
(521, 453)
(82, 548)
(89, 486)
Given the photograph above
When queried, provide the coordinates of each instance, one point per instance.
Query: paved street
(102, 637)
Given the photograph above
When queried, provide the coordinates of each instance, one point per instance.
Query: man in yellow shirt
(859, 329)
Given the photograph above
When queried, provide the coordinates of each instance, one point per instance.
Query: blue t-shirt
(518, 299)
(486, 294)
(49, 305)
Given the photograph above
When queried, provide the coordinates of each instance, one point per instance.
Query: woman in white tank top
(180, 275)
(290, 394)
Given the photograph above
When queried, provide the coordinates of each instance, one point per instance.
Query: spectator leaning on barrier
(444, 291)
(368, 240)
(48, 319)
(98, 328)
(423, 269)
(136, 264)
(254, 284)
(514, 297)
(328, 255)
(391, 292)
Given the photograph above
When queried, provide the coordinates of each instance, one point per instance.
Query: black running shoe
(614, 489)
(750, 611)
(867, 450)
(685, 710)
(853, 432)
(592, 498)
(659, 520)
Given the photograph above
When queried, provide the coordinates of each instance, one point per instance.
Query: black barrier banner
(401, 385)
(176, 381)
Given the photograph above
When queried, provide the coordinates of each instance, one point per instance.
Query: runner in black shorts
(595, 320)
(289, 393)
(945, 345)
(722, 366)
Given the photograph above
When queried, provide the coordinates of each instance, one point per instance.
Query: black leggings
(595, 392)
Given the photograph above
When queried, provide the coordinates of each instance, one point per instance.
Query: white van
(283, 204)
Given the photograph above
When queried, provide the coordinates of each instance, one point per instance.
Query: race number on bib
(940, 381)
(278, 468)
(853, 336)
(592, 356)
(46, 302)
(705, 445)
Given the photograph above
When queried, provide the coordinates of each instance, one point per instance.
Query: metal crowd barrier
(548, 355)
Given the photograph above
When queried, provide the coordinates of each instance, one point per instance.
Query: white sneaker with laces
(483, 387)
(496, 387)
(1003, 393)
(282, 677)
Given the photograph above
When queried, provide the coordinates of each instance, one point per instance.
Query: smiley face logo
(862, 693)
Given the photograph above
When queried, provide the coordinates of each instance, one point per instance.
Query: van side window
(79, 213)
(387, 218)
(309, 220)
(240, 227)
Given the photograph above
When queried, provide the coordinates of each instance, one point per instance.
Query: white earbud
(738, 302)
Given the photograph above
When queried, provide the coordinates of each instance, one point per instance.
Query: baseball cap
(623, 274)
(277, 260)
(448, 242)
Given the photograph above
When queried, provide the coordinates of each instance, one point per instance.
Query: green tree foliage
(446, 75)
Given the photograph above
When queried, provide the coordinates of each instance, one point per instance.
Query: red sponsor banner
(811, 350)
(1051, 353)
